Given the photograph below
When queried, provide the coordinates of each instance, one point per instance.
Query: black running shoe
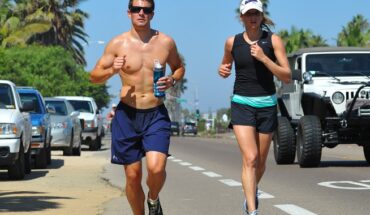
(155, 207)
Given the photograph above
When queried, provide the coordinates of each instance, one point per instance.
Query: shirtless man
(141, 126)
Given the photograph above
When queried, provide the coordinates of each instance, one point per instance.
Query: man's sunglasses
(135, 9)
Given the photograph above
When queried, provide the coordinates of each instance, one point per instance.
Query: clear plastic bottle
(158, 72)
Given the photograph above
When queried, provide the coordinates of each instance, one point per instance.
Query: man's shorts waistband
(123, 106)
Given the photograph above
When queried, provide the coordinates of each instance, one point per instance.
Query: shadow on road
(344, 164)
(25, 201)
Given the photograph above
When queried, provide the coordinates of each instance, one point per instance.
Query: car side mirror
(50, 109)
(27, 106)
(297, 75)
(75, 113)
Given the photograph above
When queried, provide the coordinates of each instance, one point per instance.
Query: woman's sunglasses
(135, 9)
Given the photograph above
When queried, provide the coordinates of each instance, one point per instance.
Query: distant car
(66, 127)
(190, 128)
(41, 136)
(15, 132)
(92, 132)
(175, 128)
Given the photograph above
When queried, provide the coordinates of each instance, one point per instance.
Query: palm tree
(356, 33)
(16, 27)
(300, 38)
(49, 22)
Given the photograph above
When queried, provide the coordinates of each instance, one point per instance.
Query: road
(204, 178)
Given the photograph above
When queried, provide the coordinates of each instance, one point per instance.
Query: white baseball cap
(246, 5)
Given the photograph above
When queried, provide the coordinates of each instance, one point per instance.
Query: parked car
(66, 127)
(41, 127)
(15, 132)
(190, 128)
(92, 132)
(326, 104)
(175, 128)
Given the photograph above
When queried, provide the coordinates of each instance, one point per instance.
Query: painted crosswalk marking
(294, 210)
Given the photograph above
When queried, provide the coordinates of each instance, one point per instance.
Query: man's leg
(156, 166)
(134, 191)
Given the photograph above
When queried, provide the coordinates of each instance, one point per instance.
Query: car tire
(27, 159)
(49, 153)
(77, 151)
(17, 171)
(41, 159)
(284, 142)
(367, 152)
(309, 141)
(69, 150)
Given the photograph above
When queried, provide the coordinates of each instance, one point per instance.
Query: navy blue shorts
(263, 119)
(137, 131)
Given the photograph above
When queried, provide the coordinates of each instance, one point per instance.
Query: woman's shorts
(137, 131)
(263, 119)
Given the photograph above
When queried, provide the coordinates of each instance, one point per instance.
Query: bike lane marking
(346, 185)
(294, 209)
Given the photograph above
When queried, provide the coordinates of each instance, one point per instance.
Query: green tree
(59, 75)
(16, 27)
(356, 33)
(48, 22)
(300, 38)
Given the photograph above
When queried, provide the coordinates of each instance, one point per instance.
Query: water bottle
(158, 72)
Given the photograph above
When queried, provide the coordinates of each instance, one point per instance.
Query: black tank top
(253, 78)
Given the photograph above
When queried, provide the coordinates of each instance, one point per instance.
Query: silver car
(66, 126)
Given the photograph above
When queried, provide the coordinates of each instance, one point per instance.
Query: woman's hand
(225, 70)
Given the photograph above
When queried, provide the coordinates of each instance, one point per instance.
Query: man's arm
(107, 66)
(176, 63)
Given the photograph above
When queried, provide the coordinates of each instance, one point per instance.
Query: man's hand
(164, 83)
(118, 64)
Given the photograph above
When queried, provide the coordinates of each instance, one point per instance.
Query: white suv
(326, 104)
(15, 132)
(92, 132)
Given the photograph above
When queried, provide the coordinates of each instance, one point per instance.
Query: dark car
(175, 128)
(190, 128)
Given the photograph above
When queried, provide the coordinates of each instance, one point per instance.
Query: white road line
(212, 174)
(177, 160)
(231, 183)
(264, 195)
(171, 158)
(294, 210)
(365, 181)
(185, 164)
(196, 168)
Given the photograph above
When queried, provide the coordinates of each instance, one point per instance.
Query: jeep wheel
(367, 152)
(17, 171)
(309, 142)
(284, 142)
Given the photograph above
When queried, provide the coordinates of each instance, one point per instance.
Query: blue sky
(200, 28)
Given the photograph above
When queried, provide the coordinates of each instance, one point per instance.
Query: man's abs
(138, 99)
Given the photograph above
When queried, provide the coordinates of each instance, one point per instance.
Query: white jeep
(326, 104)
(15, 132)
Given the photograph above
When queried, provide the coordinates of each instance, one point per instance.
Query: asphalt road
(204, 178)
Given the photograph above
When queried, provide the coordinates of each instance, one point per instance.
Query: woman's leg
(246, 137)
(264, 142)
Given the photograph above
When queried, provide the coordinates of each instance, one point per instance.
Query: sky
(200, 29)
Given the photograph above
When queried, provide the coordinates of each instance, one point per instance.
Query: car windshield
(31, 97)
(82, 106)
(190, 124)
(338, 64)
(6, 97)
(59, 106)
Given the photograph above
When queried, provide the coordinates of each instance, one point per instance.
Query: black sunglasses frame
(136, 9)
